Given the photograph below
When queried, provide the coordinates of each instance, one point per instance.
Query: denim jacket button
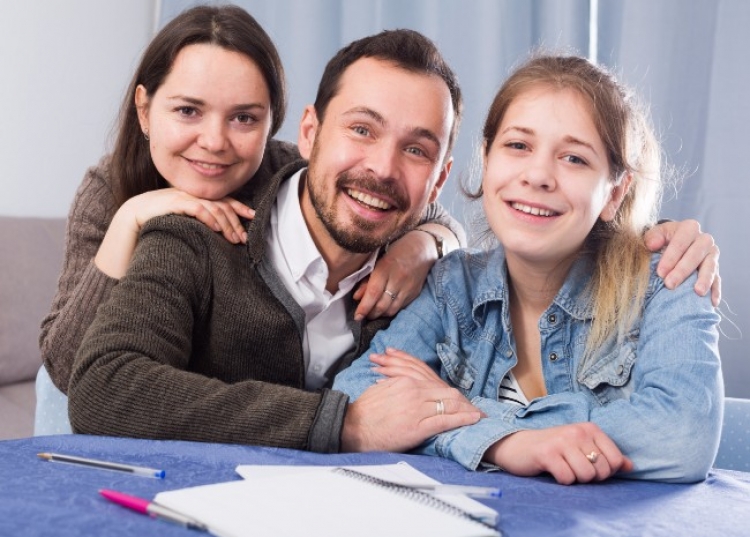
(553, 356)
(552, 318)
(620, 369)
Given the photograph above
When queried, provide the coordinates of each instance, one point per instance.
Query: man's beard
(359, 237)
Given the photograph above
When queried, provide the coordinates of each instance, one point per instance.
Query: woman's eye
(573, 159)
(187, 111)
(516, 145)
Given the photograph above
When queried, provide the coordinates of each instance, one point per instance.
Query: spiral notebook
(335, 503)
(399, 472)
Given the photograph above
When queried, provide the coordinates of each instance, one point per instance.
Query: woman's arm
(82, 287)
(163, 360)
(668, 423)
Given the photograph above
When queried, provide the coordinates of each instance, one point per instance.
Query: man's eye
(245, 119)
(362, 131)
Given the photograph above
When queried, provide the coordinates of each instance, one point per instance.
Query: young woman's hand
(118, 245)
(578, 452)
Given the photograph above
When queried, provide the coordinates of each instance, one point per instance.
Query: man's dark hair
(408, 50)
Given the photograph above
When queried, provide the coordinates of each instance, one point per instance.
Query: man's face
(377, 158)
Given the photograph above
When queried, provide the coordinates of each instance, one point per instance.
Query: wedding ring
(593, 457)
(390, 294)
(440, 407)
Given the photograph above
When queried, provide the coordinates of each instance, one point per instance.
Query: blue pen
(104, 465)
(469, 490)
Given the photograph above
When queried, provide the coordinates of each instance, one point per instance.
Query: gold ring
(440, 407)
(391, 294)
(593, 457)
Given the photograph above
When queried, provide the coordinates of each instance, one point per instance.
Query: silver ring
(593, 457)
(390, 294)
(440, 407)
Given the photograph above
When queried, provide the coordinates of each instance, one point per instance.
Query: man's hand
(399, 414)
(687, 249)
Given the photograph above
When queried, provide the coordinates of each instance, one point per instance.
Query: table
(44, 498)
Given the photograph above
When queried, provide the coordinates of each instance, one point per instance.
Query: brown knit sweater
(82, 287)
(201, 341)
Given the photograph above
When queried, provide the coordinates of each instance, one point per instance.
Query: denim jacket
(658, 395)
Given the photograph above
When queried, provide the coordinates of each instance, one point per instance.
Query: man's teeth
(532, 210)
(368, 200)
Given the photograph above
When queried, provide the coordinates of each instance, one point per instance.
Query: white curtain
(688, 59)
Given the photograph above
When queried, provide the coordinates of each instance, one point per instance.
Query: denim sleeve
(670, 423)
(416, 330)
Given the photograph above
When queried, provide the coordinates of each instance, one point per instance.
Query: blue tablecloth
(43, 498)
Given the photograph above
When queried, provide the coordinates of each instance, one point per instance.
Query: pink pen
(152, 509)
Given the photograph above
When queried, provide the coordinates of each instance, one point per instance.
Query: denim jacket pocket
(613, 366)
(456, 366)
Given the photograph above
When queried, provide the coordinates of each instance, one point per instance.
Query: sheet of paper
(401, 472)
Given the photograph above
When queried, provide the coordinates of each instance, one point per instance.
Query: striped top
(510, 391)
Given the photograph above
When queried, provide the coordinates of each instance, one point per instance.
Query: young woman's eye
(574, 159)
(520, 146)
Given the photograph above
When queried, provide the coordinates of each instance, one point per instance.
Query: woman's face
(546, 177)
(209, 121)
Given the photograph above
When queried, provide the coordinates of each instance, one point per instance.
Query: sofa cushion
(31, 251)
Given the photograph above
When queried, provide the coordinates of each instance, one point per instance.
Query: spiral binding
(417, 495)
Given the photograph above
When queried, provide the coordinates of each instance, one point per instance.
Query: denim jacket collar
(573, 297)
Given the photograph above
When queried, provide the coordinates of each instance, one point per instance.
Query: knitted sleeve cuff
(325, 433)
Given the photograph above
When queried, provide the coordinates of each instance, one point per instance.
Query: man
(211, 342)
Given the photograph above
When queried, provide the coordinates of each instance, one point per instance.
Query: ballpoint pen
(105, 465)
(469, 490)
(152, 509)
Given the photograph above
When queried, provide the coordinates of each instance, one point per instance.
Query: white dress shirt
(305, 274)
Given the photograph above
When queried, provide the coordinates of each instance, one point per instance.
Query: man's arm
(686, 249)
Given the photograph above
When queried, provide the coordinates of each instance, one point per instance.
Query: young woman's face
(546, 177)
(209, 121)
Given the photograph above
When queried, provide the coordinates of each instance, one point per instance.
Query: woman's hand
(579, 452)
(399, 275)
(396, 363)
(118, 245)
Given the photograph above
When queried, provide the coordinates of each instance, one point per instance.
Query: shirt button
(553, 356)
(620, 369)
(552, 318)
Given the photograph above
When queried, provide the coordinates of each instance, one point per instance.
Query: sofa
(31, 251)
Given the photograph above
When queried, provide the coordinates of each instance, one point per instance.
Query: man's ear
(615, 198)
(141, 105)
(308, 130)
(441, 180)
